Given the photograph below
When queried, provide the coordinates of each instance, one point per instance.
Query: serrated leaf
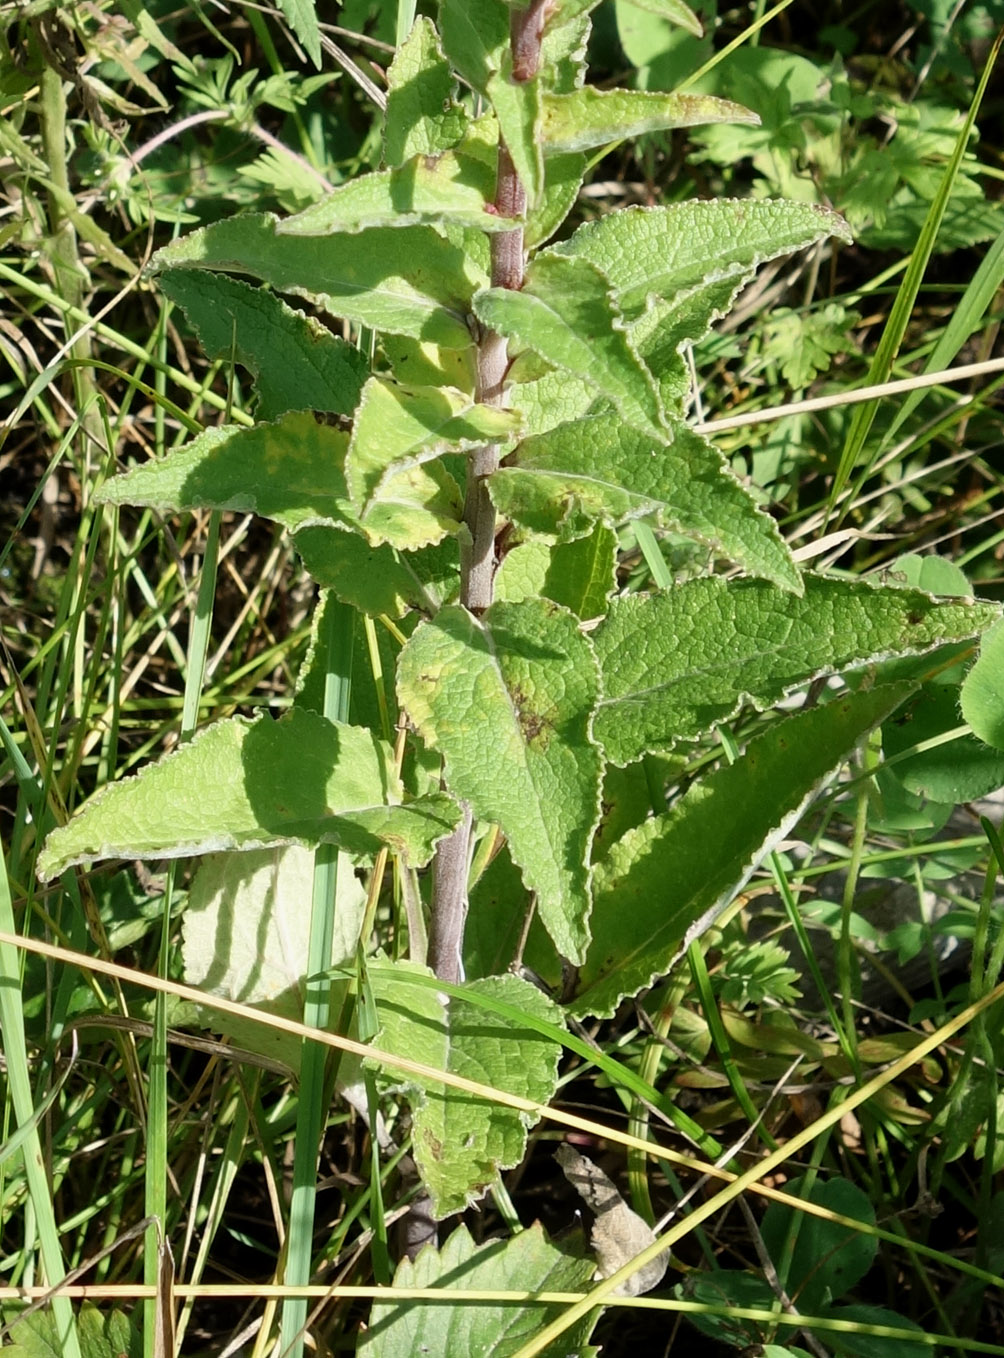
(666, 881)
(37, 1335)
(507, 700)
(243, 784)
(398, 430)
(982, 694)
(291, 471)
(590, 117)
(559, 483)
(663, 251)
(710, 646)
(517, 105)
(527, 1262)
(380, 579)
(422, 118)
(566, 313)
(302, 18)
(461, 1143)
(319, 370)
(409, 281)
(450, 187)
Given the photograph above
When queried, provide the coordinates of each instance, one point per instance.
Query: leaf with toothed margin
(319, 370)
(410, 281)
(256, 784)
(557, 485)
(566, 313)
(507, 700)
(710, 645)
(666, 881)
(590, 117)
(665, 251)
(460, 1142)
(528, 1263)
(422, 116)
(379, 580)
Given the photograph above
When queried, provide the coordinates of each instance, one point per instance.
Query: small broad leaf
(422, 118)
(380, 579)
(667, 880)
(556, 398)
(983, 690)
(319, 371)
(450, 187)
(590, 117)
(566, 313)
(563, 176)
(460, 1143)
(409, 281)
(710, 646)
(399, 429)
(243, 784)
(830, 1258)
(111, 1335)
(665, 251)
(559, 483)
(526, 1262)
(582, 574)
(507, 700)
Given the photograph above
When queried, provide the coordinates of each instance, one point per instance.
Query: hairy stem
(477, 561)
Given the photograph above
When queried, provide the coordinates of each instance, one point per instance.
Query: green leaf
(526, 1262)
(661, 331)
(983, 690)
(302, 18)
(475, 36)
(566, 313)
(665, 251)
(319, 370)
(379, 579)
(461, 1143)
(563, 176)
(673, 10)
(410, 281)
(450, 187)
(517, 105)
(100, 1336)
(590, 117)
(397, 432)
(581, 575)
(830, 1258)
(711, 646)
(246, 935)
(949, 771)
(666, 881)
(422, 118)
(507, 700)
(291, 471)
(559, 483)
(556, 398)
(243, 784)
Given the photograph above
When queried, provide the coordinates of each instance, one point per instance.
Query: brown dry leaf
(618, 1233)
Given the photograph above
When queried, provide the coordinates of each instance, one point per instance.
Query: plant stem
(477, 558)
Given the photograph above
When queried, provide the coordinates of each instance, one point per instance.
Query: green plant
(456, 481)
